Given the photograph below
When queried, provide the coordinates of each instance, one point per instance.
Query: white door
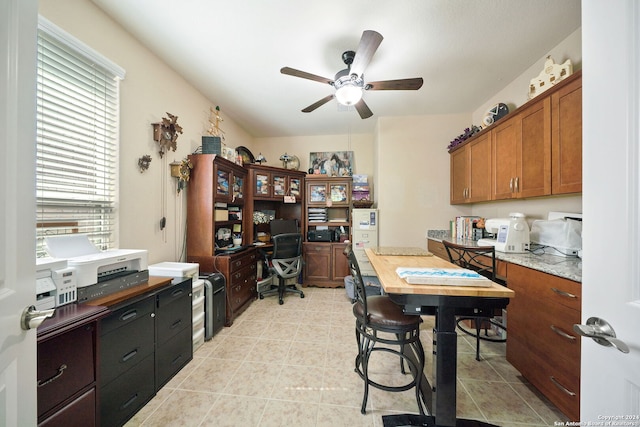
(610, 385)
(18, 25)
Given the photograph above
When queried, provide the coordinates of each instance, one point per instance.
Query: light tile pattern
(293, 365)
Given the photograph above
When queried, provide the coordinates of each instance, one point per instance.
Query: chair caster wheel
(280, 302)
(261, 296)
(301, 295)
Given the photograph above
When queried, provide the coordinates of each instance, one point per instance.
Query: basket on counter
(362, 204)
(264, 237)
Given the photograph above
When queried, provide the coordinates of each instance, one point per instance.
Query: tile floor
(292, 365)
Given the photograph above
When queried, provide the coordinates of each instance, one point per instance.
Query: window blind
(77, 142)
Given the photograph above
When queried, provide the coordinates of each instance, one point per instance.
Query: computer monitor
(281, 226)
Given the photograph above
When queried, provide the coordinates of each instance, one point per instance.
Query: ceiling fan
(349, 83)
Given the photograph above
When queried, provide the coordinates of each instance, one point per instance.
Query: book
(442, 276)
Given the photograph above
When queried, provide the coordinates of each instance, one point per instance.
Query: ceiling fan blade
(317, 104)
(305, 75)
(363, 109)
(368, 45)
(402, 84)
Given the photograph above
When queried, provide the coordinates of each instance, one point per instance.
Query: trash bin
(214, 304)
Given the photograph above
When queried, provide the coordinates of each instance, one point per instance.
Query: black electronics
(321, 236)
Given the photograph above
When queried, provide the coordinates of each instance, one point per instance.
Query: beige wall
(406, 156)
(149, 90)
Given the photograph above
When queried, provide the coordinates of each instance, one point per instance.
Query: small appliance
(511, 235)
(560, 234)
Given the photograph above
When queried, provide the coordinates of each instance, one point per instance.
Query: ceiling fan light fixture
(349, 89)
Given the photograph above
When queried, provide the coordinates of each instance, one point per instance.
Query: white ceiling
(232, 51)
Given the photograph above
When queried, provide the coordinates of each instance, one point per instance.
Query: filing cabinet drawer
(81, 412)
(65, 365)
(124, 396)
(128, 314)
(173, 355)
(174, 311)
(124, 347)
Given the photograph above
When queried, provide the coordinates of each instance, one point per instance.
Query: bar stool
(481, 259)
(381, 321)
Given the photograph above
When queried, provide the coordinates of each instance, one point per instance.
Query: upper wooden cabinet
(566, 131)
(534, 151)
(522, 154)
(269, 183)
(471, 172)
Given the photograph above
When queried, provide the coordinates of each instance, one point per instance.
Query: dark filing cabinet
(144, 342)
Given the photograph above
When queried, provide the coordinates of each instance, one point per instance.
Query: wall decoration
(551, 74)
(144, 162)
(338, 163)
(214, 122)
(181, 171)
(166, 133)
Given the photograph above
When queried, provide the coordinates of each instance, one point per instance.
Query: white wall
(149, 90)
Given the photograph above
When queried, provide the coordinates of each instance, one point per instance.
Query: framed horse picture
(336, 163)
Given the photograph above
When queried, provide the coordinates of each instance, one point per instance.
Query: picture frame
(332, 163)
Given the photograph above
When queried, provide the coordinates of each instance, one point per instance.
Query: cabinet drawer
(240, 276)
(79, 413)
(544, 287)
(124, 347)
(174, 312)
(127, 315)
(560, 386)
(65, 366)
(315, 248)
(243, 261)
(173, 355)
(127, 394)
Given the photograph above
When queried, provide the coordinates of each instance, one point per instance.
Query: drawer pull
(563, 293)
(53, 378)
(128, 315)
(562, 333)
(561, 387)
(176, 324)
(177, 293)
(129, 402)
(129, 355)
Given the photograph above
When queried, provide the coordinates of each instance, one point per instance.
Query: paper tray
(443, 277)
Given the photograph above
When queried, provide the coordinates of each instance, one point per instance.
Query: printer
(511, 235)
(99, 273)
(55, 283)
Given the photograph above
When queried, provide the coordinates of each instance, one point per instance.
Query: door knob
(602, 333)
(32, 318)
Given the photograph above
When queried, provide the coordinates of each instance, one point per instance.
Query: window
(77, 139)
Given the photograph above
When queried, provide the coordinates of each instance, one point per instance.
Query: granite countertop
(565, 267)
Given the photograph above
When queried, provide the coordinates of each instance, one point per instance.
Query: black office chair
(285, 262)
(378, 321)
(481, 259)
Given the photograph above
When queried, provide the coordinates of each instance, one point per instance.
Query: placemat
(400, 251)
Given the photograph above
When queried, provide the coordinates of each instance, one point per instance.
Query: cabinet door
(317, 194)
(459, 161)
(534, 151)
(505, 152)
(262, 184)
(566, 140)
(340, 193)
(223, 181)
(480, 169)
(317, 259)
(238, 188)
(340, 266)
(295, 187)
(279, 185)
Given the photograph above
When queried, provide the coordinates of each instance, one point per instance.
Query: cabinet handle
(511, 185)
(561, 387)
(129, 315)
(563, 293)
(129, 355)
(130, 401)
(517, 184)
(177, 293)
(562, 333)
(53, 378)
(176, 324)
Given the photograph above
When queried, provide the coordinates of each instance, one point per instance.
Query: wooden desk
(446, 302)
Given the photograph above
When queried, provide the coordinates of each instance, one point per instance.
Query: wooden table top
(386, 265)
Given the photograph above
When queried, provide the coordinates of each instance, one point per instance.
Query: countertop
(565, 267)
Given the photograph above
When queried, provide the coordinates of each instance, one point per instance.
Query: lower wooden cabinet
(67, 356)
(541, 343)
(325, 264)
